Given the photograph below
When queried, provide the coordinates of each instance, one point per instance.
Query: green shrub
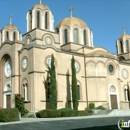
(49, 113)
(9, 114)
(91, 105)
(19, 103)
(63, 112)
(101, 107)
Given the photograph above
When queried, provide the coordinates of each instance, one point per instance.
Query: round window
(111, 68)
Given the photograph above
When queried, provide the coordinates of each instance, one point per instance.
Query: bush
(49, 113)
(101, 107)
(9, 114)
(89, 111)
(63, 112)
(91, 105)
(19, 103)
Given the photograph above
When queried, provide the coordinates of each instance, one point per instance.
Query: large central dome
(70, 21)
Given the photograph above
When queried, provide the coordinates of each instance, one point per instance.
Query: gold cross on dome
(124, 29)
(10, 19)
(71, 11)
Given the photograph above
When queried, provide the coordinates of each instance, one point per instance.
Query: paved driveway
(109, 123)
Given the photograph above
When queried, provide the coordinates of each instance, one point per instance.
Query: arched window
(65, 36)
(7, 35)
(14, 36)
(30, 20)
(46, 20)
(78, 92)
(38, 19)
(127, 45)
(75, 36)
(84, 36)
(126, 92)
(25, 92)
(121, 46)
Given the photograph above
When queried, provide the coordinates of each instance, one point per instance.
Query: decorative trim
(49, 101)
(24, 69)
(35, 72)
(94, 77)
(27, 101)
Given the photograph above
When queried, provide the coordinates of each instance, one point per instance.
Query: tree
(74, 85)
(53, 86)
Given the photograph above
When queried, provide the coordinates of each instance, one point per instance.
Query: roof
(42, 6)
(10, 27)
(70, 21)
(124, 36)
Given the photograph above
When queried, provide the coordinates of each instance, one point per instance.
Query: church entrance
(113, 101)
(113, 97)
(8, 101)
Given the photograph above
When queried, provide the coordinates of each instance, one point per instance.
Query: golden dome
(70, 21)
(124, 36)
(41, 6)
(10, 27)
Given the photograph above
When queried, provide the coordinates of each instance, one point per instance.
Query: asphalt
(27, 120)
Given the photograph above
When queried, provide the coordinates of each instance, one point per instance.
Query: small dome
(70, 21)
(10, 27)
(41, 6)
(124, 36)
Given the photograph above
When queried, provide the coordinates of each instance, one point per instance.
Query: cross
(40, 1)
(124, 28)
(10, 19)
(71, 10)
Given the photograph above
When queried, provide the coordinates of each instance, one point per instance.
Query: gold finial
(124, 29)
(10, 19)
(40, 1)
(71, 11)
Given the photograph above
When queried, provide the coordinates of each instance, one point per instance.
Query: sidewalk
(27, 120)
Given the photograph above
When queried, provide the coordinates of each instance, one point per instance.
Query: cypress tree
(74, 85)
(53, 87)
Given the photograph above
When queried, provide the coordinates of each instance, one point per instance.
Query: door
(114, 102)
(8, 101)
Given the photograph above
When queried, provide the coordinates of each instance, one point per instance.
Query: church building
(102, 77)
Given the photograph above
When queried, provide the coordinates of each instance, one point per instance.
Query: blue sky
(104, 17)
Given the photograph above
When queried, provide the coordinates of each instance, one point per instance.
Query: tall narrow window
(46, 20)
(38, 19)
(75, 36)
(78, 92)
(30, 20)
(66, 36)
(121, 46)
(7, 35)
(84, 36)
(127, 45)
(14, 36)
(25, 92)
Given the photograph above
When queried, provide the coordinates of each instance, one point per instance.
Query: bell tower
(40, 16)
(123, 46)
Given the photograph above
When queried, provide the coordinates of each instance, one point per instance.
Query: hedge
(64, 112)
(9, 114)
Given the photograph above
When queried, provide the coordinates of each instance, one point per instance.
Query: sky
(104, 17)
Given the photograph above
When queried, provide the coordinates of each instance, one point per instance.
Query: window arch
(38, 19)
(7, 35)
(76, 36)
(126, 93)
(121, 46)
(46, 20)
(14, 36)
(127, 45)
(65, 36)
(84, 37)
